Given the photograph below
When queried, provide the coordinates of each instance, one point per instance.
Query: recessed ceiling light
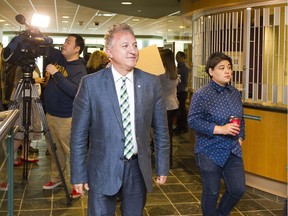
(64, 21)
(170, 21)
(136, 20)
(1, 20)
(6, 24)
(107, 14)
(126, 3)
(182, 27)
(65, 17)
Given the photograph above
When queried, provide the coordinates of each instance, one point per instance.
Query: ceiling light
(1, 20)
(64, 21)
(126, 3)
(65, 17)
(107, 14)
(136, 20)
(182, 27)
(40, 20)
(6, 24)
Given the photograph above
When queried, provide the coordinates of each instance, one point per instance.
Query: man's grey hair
(108, 37)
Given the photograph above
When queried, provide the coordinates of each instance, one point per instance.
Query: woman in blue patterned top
(218, 141)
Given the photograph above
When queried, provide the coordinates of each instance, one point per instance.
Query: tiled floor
(180, 196)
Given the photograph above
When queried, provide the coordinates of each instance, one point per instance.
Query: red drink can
(235, 120)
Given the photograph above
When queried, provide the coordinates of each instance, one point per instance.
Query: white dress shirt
(130, 89)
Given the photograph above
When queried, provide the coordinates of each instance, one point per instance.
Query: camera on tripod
(25, 47)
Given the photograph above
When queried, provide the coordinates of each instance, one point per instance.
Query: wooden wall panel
(265, 147)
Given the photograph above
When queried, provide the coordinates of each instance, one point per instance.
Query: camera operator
(65, 71)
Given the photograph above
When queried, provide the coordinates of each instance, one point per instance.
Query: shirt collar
(220, 88)
(117, 76)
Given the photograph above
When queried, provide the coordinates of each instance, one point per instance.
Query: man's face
(69, 49)
(123, 51)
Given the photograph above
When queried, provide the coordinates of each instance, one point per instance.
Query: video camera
(25, 47)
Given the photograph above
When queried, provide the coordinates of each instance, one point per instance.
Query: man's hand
(51, 69)
(80, 188)
(161, 179)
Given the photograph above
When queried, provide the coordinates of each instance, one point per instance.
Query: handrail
(7, 121)
(7, 130)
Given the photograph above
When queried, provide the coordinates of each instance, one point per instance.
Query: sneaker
(17, 163)
(3, 187)
(74, 194)
(51, 185)
(29, 160)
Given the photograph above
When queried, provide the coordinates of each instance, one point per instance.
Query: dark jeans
(182, 111)
(234, 179)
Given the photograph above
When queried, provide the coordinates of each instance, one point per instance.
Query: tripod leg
(51, 143)
(21, 100)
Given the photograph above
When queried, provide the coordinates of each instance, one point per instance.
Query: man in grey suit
(106, 170)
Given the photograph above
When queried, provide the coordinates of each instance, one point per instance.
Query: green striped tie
(126, 119)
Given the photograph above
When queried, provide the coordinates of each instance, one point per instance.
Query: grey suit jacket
(97, 116)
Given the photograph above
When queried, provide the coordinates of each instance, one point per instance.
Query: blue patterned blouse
(213, 105)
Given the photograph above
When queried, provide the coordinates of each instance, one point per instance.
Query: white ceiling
(147, 17)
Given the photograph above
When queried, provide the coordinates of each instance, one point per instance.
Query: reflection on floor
(180, 196)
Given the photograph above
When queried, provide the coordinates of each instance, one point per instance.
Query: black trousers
(182, 111)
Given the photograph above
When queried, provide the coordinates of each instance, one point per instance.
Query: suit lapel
(138, 93)
(112, 95)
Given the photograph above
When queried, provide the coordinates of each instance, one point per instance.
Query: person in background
(218, 144)
(182, 93)
(169, 81)
(65, 72)
(115, 108)
(35, 127)
(87, 56)
(97, 61)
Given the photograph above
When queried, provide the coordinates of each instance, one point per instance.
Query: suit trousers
(132, 195)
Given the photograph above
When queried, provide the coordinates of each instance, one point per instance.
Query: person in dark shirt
(218, 150)
(64, 73)
(182, 92)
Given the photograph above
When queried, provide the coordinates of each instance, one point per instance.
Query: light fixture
(2, 20)
(126, 3)
(107, 14)
(39, 20)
